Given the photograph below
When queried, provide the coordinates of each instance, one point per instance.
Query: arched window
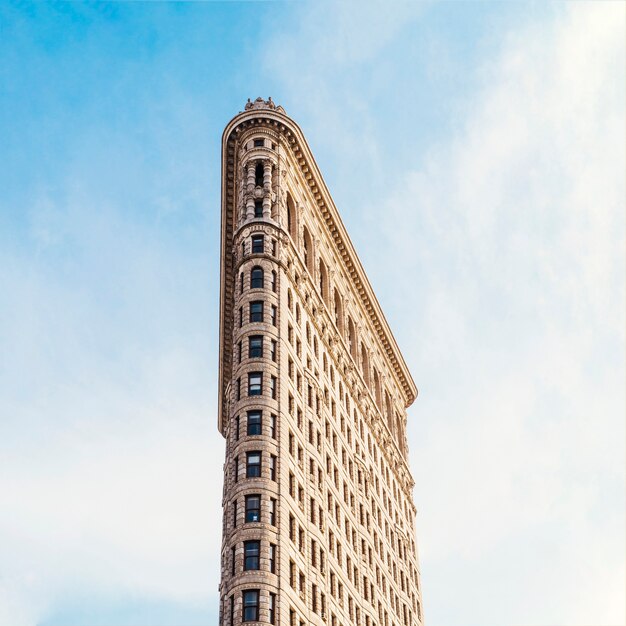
(307, 248)
(291, 219)
(338, 312)
(365, 364)
(256, 278)
(352, 344)
(323, 282)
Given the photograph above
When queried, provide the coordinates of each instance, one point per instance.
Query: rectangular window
(273, 387)
(251, 551)
(255, 424)
(273, 467)
(253, 508)
(255, 346)
(250, 605)
(232, 561)
(259, 143)
(256, 311)
(238, 389)
(253, 464)
(240, 316)
(273, 247)
(273, 350)
(273, 511)
(240, 354)
(237, 428)
(236, 468)
(274, 282)
(255, 383)
(273, 426)
(232, 610)
(257, 244)
(234, 513)
(272, 558)
(272, 608)
(258, 208)
(274, 320)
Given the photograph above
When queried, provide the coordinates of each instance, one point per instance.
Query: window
(272, 608)
(240, 316)
(255, 383)
(234, 513)
(272, 558)
(256, 311)
(274, 315)
(250, 605)
(254, 423)
(257, 244)
(232, 610)
(273, 350)
(273, 426)
(258, 143)
(255, 346)
(272, 467)
(237, 428)
(251, 550)
(273, 386)
(253, 508)
(258, 208)
(273, 511)
(232, 560)
(236, 468)
(258, 174)
(273, 247)
(253, 464)
(241, 282)
(274, 282)
(256, 278)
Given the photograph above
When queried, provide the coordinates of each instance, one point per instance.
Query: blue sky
(475, 152)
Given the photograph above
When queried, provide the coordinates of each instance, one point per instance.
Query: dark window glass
(273, 386)
(273, 350)
(273, 467)
(272, 427)
(257, 244)
(256, 311)
(258, 208)
(256, 278)
(258, 174)
(274, 286)
(254, 422)
(251, 605)
(255, 346)
(274, 314)
(255, 383)
(253, 508)
(258, 143)
(253, 464)
(251, 550)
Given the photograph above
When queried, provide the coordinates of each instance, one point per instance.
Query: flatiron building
(319, 520)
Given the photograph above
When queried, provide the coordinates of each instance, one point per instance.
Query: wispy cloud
(509, 233)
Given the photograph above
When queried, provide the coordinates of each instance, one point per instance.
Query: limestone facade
(319, 520)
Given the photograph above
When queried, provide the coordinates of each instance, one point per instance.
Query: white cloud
(512, 237)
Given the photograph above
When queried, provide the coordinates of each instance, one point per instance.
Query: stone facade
(319, 521)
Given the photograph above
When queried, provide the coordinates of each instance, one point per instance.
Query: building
(319, 521)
